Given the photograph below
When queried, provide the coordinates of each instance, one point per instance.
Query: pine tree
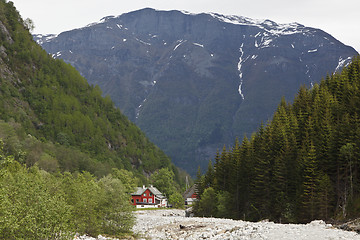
(235, 179)
(260, 193)
(346, 169)
(217, 170)
(209, 176)
(246, 175)
(325, 195)
(309, 186)
(279, 179)
(222, 170)
(199, 183)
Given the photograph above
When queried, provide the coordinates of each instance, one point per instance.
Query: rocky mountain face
(193, 82)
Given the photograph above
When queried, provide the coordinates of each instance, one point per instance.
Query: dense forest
(69, 159)
(300, 166)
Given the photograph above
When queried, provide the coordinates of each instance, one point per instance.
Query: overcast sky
(339, 18)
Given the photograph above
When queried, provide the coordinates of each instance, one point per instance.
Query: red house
(148, 197)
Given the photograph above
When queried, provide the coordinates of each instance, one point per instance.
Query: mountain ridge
(193, 82)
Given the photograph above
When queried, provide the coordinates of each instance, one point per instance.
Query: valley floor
(172, 224)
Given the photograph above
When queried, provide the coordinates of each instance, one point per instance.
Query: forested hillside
(303, 165)
(69, 159)
(51, 116)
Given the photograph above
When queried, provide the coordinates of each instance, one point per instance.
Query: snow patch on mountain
(139, 108)
(265, 41)
(102, 20)
(179, 43)
(313, 50)
(240, 71)
(238, 20)
(342, 63)
(143, 42)
(56, 55)
(267, 25)
(188, 13)
(43, 38)
(199, 45)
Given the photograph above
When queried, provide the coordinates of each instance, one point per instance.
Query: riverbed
(172, 224)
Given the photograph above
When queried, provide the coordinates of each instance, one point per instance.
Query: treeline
(39, 205)
(50, 101)
(301, 166)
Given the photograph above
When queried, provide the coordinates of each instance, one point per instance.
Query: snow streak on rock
(44, 38)
(140, 106)
(141, 41)
(312, 50)
(179, 43)
(342, 63)
(240, 72)
(265, 41)
(199, 45)
(267, 25)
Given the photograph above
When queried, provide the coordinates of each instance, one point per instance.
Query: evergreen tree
(309, 185)
(260, 193)
(325, 197)
(207, 205)
(209, 176)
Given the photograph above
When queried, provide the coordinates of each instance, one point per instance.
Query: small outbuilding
(190, 195)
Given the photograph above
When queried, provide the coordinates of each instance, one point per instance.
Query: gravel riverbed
(172, 224)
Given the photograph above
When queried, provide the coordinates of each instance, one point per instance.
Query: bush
(29, 209)
(176, 200)
(35, 204)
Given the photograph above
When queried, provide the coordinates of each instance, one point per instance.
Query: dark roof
(139, 191)
(189, 192)
(152, 189)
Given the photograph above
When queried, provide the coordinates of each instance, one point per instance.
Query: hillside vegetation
(69, 159)
(303, 165)
(38, 205)
(51, 116)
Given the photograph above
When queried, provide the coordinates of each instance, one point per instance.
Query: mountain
(51, 117)
(192, 82)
